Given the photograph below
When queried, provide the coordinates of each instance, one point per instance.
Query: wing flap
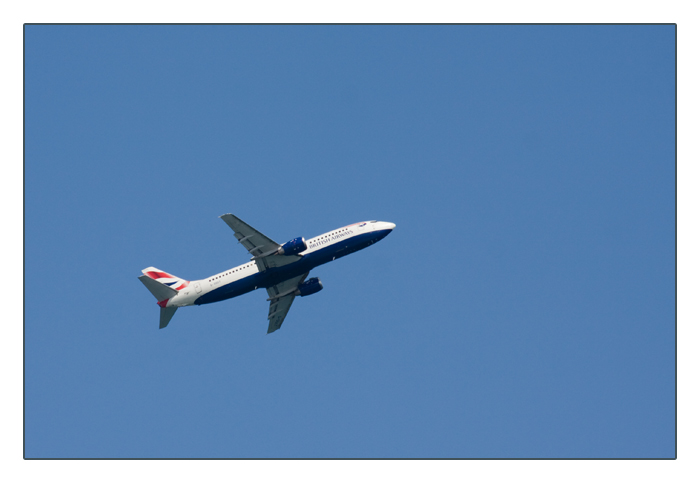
(252, 240)
(281, 298)
(260, 247)
(278, 311)
(275, 261)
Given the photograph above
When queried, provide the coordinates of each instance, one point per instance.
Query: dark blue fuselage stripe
(273, 276)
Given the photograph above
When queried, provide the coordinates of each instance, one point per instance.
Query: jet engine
(309, 287)
(292, 247)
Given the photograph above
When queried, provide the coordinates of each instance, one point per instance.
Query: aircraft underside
(273, 276)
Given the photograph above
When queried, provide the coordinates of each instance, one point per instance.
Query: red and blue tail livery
(280, 269)
(165, 278)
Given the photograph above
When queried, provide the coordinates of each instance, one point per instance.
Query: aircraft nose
(385, 225)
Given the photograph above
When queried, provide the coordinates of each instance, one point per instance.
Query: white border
(375, 12)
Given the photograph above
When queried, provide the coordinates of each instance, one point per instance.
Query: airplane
(280, 269)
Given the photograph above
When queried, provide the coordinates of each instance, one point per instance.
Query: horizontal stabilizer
(159, 291)
(166, 313)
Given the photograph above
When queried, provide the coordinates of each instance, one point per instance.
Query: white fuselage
(247, 277)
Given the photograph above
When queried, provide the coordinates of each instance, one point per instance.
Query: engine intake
(292, 247)
(311, 286)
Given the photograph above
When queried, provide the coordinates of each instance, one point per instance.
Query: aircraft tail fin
(165, 278)
(166, 313)
(163, 286)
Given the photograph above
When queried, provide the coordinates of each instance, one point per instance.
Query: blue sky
(523, 307)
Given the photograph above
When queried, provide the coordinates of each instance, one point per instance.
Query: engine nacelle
(309, 287)
(292, 247)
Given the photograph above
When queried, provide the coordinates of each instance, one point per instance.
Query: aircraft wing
(262, 248)
(281, 298)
